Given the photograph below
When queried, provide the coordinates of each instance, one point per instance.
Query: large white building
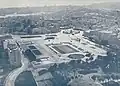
(14, 53)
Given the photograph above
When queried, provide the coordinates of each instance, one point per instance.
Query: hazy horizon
(35, 3)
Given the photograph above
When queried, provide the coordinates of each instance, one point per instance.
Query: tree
(104, 42)
(52, 68)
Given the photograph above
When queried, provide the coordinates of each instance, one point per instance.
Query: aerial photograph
(59, 42)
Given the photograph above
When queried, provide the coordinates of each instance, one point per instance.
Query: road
(10, 79)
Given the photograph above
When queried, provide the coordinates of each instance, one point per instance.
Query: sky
(24, 3)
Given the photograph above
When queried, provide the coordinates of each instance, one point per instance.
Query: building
(3, 40)
(14, 53)
(5, 43)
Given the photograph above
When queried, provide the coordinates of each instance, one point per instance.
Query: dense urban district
(59, 46)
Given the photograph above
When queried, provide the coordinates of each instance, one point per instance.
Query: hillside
(107, 5)
(27, 10)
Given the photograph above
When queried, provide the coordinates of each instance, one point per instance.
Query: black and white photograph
(59, 42)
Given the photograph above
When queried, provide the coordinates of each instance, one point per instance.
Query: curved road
(10, 79)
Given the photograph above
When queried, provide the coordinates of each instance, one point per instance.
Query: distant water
(16, 15)
(25, 79)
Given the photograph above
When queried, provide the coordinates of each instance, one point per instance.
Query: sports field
(64, 49)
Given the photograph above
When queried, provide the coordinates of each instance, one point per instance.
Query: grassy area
(25, 79)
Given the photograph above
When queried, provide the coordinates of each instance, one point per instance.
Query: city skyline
(33, 3)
